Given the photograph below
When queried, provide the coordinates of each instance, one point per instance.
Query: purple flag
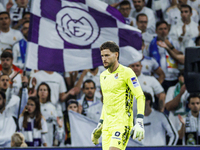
(65, 35)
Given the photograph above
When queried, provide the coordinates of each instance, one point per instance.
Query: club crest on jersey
(104, 77)
(135, 82)
(116, 76)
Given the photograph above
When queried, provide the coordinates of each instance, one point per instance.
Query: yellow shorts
(115, 137)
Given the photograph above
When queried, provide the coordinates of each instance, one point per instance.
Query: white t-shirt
(147, 37)
(7, 129)
(9, 38)
(172, 116)
(150, 85)
(55, 82)
(151, 18)
(191, 32)
(49, 112)
(2, 7)
(156, 125)
(149, 65)
(173, 15)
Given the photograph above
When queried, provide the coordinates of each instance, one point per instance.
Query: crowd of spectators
(35, 103)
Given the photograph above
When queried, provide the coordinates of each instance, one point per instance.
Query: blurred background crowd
(36, 102)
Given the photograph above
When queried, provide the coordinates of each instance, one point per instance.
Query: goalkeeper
(119, 85)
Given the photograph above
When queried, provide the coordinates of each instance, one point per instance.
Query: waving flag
(65, 35)
(81, 128)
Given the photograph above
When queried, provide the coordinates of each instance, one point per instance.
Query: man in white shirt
(160, 54)
(190, 129)
(8, 36)
(125, 9)
(173, 14)
(185, 30)
(150, 84)
(90, 101)
(157, 126)
(140, 8)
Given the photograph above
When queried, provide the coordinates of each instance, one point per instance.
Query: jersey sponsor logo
(116, 76)
(135, 82)
(117, 133)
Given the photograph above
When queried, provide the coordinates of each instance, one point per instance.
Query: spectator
(19, 48)
(175, 101)
(155, 121)
(17, 13)
(17, 140)
(159, 7)
(56, 83)
(93, 74)
(125, 9)
(140, 8)
(8, 35)
(8, 124)
(142, 21)
(173, 14)
(9, 69)
(185, 30)
(48, 110)
(25, 18)
(32, 124)
(168, 65)
(90, 102)
(150, 84)
(190, 128)
(12, 100)
(72, 105)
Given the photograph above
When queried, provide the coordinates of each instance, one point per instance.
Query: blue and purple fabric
(65, 35)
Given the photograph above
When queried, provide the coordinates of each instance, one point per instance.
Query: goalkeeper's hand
(97, 133)
(138, 129)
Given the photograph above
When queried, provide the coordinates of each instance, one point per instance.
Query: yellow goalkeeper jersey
(118, 89)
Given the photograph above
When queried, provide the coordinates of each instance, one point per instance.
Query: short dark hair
(193, 95)
(187, 6)
(142, 14)
(197, 40)
(148, 97)
(25, 13)
(6, 55)
(7, 49)
(125, 2)
(89, 81)
(112, 46)
(161, 22)
(5, 12)
(71, 101)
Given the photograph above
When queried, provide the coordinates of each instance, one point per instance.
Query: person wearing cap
(175, 101)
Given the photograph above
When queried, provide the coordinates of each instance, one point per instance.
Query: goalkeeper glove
(138, 129)
(97, 133)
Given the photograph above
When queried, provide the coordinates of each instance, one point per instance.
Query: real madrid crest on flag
(116, 76)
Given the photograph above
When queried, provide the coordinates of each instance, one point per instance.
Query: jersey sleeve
(134, 85)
